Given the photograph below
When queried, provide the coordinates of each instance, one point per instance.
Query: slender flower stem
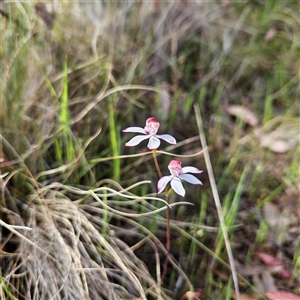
(156, 163)
(168, 243)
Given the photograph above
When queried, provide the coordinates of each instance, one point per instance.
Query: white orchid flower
(150, 130)
(177, 174)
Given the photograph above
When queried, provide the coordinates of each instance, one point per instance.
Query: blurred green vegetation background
(74, 74)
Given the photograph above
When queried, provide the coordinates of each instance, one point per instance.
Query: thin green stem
(217, 200)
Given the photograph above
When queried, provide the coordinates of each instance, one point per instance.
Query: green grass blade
(268, 113)
(64, 108)
(114, 139)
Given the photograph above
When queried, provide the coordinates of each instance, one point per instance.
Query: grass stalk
(114, 139)
(5, 289)
(230, 209)
(65, 116)
(217, 200)
(105, 214)
(188, 104)
(268, 111)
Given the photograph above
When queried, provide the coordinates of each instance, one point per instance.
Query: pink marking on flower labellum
(175, 167)
(152, 126)
(151, 119)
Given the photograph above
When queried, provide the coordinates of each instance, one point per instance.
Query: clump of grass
(66, 254)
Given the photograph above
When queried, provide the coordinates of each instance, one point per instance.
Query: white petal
(191, 170)
(190, 178)
(154, 143)
(168, 138)
(177, 186)
(162, 183)
(134, 129)
(136, 140)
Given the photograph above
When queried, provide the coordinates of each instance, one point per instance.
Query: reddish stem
(168, 246)
(156, 163)
(168, 243)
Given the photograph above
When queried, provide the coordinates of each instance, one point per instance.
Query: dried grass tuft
(73, 253)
